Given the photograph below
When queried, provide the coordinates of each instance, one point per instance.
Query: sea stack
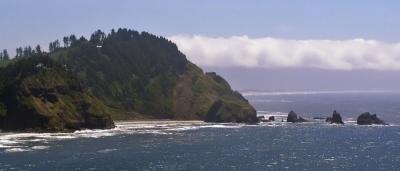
(336, 118)
(292, 117)
(271, 118)
(263, 119)
(368, 119)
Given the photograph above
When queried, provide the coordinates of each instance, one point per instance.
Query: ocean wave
(40, 147)
(107, 150)
(21, 142)
(275, 124)
(223, 126)
(13, 150)
(269, 113)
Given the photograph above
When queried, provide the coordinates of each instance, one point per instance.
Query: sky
(255, 44)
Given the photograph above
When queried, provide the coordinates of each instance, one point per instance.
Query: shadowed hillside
(38, 94)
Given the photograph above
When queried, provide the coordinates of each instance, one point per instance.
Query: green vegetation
(39, 94)
(128, 70)
(4, 58)
(3, 110)
(125, 74)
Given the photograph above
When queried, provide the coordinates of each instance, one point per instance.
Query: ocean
(195, 145)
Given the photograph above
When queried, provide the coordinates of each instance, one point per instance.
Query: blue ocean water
(350, 104)
(172, 145)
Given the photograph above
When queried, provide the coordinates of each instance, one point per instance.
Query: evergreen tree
(38, 49)
(54, 45)
(97, 37)
(27, 52)
(57, 44)
(51, 47)
(66, 41)
(72, 39)
(5, 55)
(82, 39)
(19, 52)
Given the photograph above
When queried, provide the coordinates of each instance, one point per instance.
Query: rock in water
(368, 119)
(292, 117)
(336, 118)
(301, 119)
(328, 119)
(271, 118)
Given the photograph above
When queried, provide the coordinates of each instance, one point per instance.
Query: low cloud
(269, 52)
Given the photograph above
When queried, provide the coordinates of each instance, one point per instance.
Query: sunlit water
(169, 145)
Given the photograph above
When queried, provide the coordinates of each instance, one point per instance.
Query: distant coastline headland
(122, 75)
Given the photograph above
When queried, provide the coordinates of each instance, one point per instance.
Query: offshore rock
(292, 117)
(368, 119)
(336, 118)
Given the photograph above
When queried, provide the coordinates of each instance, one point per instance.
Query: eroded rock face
(222, 111)
(368, 119)
(292, 117)
(336, 118)
(195, 93)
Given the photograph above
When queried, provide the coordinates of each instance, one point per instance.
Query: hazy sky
(358, 37)
(24, 22)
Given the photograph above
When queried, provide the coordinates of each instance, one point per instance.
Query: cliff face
(140, 75)
(209, 97)
(37, 94)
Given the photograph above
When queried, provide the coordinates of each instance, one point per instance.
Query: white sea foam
(108, 150)
(274, 124)
(19, 142)
(269, 113)
(39, 147)
(13, 150)
(330, 159)
(223, 126)
(279, 116)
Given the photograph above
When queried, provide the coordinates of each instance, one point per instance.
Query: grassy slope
(45, 98)
(195, 93)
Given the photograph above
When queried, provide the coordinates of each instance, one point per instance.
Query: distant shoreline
(278, 93)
